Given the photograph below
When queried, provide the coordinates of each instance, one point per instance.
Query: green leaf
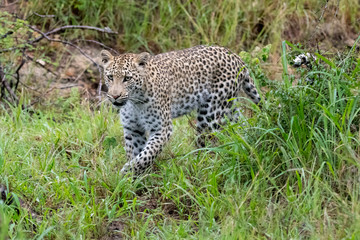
(109, 142)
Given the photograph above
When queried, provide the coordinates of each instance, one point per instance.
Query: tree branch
(79, 49)
(6, 34)
(104, 30)
(31, 59)
(44, 35)
(8, 5)
(7, 87)
(17, 73)
(44, 16)
(100, 44)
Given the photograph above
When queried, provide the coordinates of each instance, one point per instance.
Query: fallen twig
(47, 69)
(32, 89)
(44, 16)
(61, 88)
(69, 86)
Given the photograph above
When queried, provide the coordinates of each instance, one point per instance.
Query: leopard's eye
(127, 78)
(110, 77)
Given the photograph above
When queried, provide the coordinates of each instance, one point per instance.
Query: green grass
(290, 171)
(159, 26)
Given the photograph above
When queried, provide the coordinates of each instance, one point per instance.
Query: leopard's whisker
(137, 100)
(101, 102)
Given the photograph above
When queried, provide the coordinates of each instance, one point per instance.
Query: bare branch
(324, 10)
(6, 34)
(337, 8)
(11, 49)
(61, 88)
(44, 16)
(311, 37)
(2, 77)
(69, 86)
(100, 44)
(79, 49)
(11, 92)
(64, 42)
(6, 85)
(17, 73)
(10, 4)
(32, 59)
(44, 35)
(104, 30)
(100, 86)
(32, 89)
(25, 46)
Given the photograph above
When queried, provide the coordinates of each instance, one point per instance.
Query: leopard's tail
(249, 88)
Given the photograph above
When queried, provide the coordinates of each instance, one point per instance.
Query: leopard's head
(123, 75)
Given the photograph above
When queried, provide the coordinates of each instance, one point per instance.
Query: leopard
(151, 90)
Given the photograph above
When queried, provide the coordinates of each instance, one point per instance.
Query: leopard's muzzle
(117, 100)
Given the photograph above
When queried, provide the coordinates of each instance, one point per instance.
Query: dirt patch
(10, 6)
(152, 205)
(45, 80)
(155, 201)
(115, 231)
(335, 34)
(326, 30)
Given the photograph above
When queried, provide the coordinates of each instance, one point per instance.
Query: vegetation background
(289, 170)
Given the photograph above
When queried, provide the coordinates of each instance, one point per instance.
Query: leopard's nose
(115, 96)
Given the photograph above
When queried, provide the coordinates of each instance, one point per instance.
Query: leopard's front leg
(147, 156)
(159, 136)
(135, 140)
(134, 132)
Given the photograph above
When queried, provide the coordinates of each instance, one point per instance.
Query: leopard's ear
(106, 56)
(142, 59)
